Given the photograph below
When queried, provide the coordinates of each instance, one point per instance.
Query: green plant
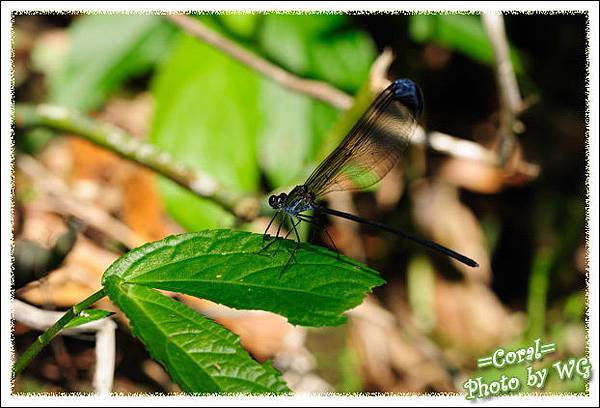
(227, 267)
(197, 92)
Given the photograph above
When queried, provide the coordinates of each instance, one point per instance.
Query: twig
(116, 140)
(105, 339)
(105, 357)
(455, 147)
(315, 89)
(49, 334)
(510, 97)
(378, 72)
(61, 199)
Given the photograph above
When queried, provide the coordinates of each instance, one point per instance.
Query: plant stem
(49, 334)
(538, 289)
(116, 140)
(508, 88)
(316, 89)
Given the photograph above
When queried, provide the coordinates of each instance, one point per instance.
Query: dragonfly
(374, 145)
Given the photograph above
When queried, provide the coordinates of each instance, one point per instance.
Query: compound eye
(272, 201)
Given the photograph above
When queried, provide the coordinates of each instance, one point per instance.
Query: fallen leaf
(438, 211)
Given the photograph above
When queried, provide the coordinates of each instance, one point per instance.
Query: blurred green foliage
(104, 51)
(207, 116)
(421, 293)
(318, 46)
(336, 359)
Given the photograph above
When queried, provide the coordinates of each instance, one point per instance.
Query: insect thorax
(299, 200)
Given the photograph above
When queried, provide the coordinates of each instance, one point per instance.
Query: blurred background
(79, 207)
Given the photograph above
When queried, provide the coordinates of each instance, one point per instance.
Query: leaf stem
(510, 97)
(538, 290)
(49, 334)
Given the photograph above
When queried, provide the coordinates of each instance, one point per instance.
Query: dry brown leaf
(472, 318)
(78, 278)
(391, 362)
(41, 227)
(142, 208)
(155, 371)
(472, 175)
(486, 179)
(439, 212)
(390, 189)
(104, 176)
(89, 161)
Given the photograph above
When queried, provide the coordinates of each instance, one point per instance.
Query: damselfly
(372, 147)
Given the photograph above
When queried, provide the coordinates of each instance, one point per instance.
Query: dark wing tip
(410, 94)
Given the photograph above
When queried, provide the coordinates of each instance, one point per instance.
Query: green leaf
(462, 33)
(242, 25)
(319, 46)
(325, 47)
(192, 212)
(229, 267)
(199, 354)
(87, 316)
(207, 116)
(343, 59)
(283, 39)
(104, 51)
(324, 119)
(293, 131)
(285, 140)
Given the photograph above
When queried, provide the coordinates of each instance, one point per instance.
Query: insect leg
(311, 220)
(276, 237)
(298, 242)
(269, 226)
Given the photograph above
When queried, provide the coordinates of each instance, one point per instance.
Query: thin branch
(510, 97)
(105, 357)
(40, 319)
(116, 140)
(379, 69)
(315, 89)
(45, 338)
(454, 147)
